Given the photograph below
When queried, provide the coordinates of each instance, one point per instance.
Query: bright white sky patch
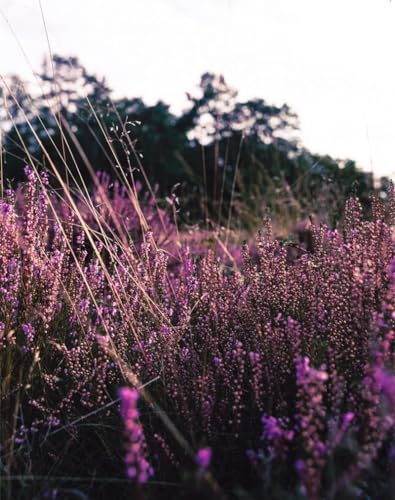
(332, 61)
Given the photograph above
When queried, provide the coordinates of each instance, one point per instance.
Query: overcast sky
(332, 61)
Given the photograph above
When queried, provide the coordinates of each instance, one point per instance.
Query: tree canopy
(219, 150)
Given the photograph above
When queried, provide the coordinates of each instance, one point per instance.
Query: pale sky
(332, 61)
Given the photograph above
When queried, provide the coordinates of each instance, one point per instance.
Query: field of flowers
(140, 362)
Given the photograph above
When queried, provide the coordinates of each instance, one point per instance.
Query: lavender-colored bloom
(137, 465)
(251, 455)
(29, 333)
(203, 458)
(386, 383)
(347, 419)
(224, 345)
(217, 361)
(272, 430)
(299, 467)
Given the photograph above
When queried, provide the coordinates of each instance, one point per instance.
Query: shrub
(272, 376)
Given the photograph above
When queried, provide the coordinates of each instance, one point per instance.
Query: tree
(216, 114)
(225, 154)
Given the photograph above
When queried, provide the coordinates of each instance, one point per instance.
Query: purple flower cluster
(300, 342)
(203, 458)
(28, 331)
(137, 465)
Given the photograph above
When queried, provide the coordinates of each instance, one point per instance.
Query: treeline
(221, 152)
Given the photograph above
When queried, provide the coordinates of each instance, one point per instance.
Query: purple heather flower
(254, 357)
(137, 466)
(348, 417)
(217, 361)
(272, 430)
(321, 448)
(386, 383)
(29, 333)
(203, 458)
(299, 467)
(53, 421)
(29, 172)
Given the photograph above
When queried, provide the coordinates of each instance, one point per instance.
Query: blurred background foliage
(220, 152)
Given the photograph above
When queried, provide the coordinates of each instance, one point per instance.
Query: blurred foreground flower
(203, 458)
(137, 466)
